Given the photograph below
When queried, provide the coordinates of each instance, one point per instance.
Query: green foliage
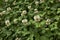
(18, 20)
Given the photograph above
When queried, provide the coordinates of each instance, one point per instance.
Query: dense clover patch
(29, 19)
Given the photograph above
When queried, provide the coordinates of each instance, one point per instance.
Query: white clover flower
(15, 20)
(36, 2)
(3, 11)
(9, 9)
(1, 14)
(29, 7)
(18, 38)
(48, 21)
(6, 0)
(14, 3)
(42, 1)
(24, 12)
(47, 29)
(24, 21)
(35, 10)
(7, 23)
(37, 18)
(59, 0)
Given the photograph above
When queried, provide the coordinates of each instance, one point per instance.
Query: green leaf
(44, 38)
(30, 37)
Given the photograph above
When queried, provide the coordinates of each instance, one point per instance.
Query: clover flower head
(42, 1)
(24, 21)
(37, 18)
(29, 7)
(17, 38)
(48, 21)
(35, 10)
(24, 12)
(59, 0)
(36, 2)
(7, 23)
(14, 3)
(1, 14)
(15, 20)
(6, 0)
(9, 9)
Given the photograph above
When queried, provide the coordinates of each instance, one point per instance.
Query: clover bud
(35, 10)
(15, 21)
(47, 29)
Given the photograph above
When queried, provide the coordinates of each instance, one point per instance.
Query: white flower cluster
(37, 18)
(25, 21)
(15, 21)
(24, 12)
(9, 9)
(7, 23)
(29, 7)
(42, 1)
(59, 0)
(18, 38)
(36, 2)
(35, 10)
(2, 13)
(48, 21)
(6, 0)
(14, 3)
